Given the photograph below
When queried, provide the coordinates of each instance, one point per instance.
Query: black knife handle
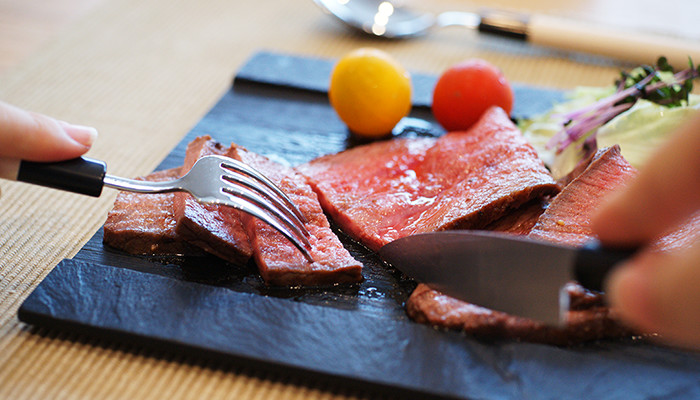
(594, 262)
(504, 23)
(79, 175)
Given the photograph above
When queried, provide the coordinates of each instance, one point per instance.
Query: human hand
(30, 136)
(658, 292)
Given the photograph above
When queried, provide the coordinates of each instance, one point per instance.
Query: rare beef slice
(521, 220)
(278, 260)
(566, 220)
(590, 323)
(145, 223)
(215, 229)
(386, 190)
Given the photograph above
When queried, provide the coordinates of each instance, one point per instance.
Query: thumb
(36, 137)
(658, 293)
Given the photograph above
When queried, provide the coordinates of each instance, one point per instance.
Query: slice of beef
(431, 307)
(280, 262)
(566, 220)
(145, 223)
(215, 229)
(386, 190)
(365, 187)
(520, 221)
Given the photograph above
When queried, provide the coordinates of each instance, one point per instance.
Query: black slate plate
(355, 334)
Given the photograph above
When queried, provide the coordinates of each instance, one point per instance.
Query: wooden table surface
(144, 72)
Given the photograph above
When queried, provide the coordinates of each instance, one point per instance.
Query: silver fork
(212, 180)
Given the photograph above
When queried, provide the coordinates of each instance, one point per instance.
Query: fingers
(658, 293)
(664, 193)
(35, 137)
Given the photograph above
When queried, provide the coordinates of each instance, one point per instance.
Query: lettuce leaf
(639, 130)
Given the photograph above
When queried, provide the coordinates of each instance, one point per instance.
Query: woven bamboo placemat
(144, 72)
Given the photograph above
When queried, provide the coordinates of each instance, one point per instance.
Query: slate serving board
(355, 334)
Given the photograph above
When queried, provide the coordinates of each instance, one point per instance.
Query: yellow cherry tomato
(370, 91)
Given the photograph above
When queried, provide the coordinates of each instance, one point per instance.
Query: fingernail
(84, 135)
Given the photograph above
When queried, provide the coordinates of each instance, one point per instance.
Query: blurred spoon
(384, 18)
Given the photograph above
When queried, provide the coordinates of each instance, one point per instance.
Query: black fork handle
(79, 175)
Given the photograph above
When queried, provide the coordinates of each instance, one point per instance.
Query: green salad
(638, 113)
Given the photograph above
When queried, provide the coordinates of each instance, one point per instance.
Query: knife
(509, 273)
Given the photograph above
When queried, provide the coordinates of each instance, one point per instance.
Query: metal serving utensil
(389, 19)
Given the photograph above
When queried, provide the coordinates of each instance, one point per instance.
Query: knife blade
(509, 273)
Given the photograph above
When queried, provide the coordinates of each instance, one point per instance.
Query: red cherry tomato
(467, 89)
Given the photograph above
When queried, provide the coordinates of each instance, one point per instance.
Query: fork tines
(253, 193)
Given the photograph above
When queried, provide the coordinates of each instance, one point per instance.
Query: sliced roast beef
(215, 229)
(279, 261)
(175, 223)
(386, 190)
(145, 223)
(431, 307)
(520, 221)
(566, 220)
